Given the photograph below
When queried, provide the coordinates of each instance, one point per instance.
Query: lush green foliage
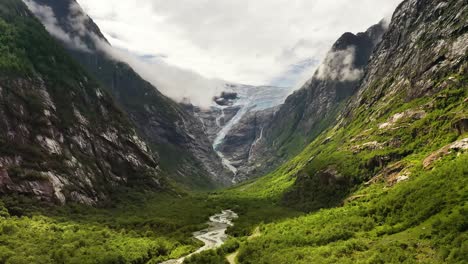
(422, 220)
(145, 227)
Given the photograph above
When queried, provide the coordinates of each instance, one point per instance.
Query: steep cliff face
(426, 42)
(62, 138)
(310, 110)
(179, 137)
(409, 111)
(242, 141)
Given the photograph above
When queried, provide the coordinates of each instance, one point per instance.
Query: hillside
(396, 157)
(62, 136)
(310, 110)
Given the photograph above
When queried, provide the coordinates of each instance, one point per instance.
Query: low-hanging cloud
(170, 46)
(176, 83)
(46, 15)
(339, 66)
(179, 84)
(243, 41)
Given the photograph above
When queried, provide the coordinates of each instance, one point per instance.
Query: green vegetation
(422, 220)
(145, 228)
(135, 228)
(216, 256)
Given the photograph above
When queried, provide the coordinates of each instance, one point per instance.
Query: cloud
(179, 84)
(244, 41)
(186, 48)
(78, 19)
(339, 66)
(46, 15)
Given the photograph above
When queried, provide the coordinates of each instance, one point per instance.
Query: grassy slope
(416, 139)
(422, 220)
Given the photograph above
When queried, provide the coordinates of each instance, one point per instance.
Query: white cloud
(339, 66)
(48, 19)
(179, 84)
(274, 42)
(246, 41)
(175, 82)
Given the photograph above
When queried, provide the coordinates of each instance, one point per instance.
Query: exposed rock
(373, 145)
(213, 119)
(421, 47)
(61, 138)
(461, 125)
(226, 98)
(242, 142)
(458, 146)
(408, 116)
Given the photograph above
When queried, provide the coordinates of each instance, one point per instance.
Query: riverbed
(214, 236)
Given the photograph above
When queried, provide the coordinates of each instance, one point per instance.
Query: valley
(366, 163)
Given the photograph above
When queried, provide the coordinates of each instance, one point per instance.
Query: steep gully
(249, 99)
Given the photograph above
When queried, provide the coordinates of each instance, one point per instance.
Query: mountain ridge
(54, 143)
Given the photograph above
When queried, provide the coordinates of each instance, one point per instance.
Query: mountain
(410, 103)
(407, 111)
(186, 154)
(273, 136)
(62, 137)
(385, 180)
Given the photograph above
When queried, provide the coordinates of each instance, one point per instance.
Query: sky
(257, 42)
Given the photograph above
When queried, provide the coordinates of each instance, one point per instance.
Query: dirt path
(232, 258)
(213, 236)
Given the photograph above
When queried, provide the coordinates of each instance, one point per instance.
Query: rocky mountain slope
(228, 121)
(62, 138)
(390, 174)
(305, 114)
(186, 153)
(409, 111)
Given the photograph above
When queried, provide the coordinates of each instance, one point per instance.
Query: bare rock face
(62, 138)
(426, 41)
(213, 119)
(63, 149)
(243, 140)
(458, 146)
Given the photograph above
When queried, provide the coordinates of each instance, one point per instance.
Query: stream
(214, 236)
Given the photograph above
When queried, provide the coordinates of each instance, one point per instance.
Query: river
(214, 236)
